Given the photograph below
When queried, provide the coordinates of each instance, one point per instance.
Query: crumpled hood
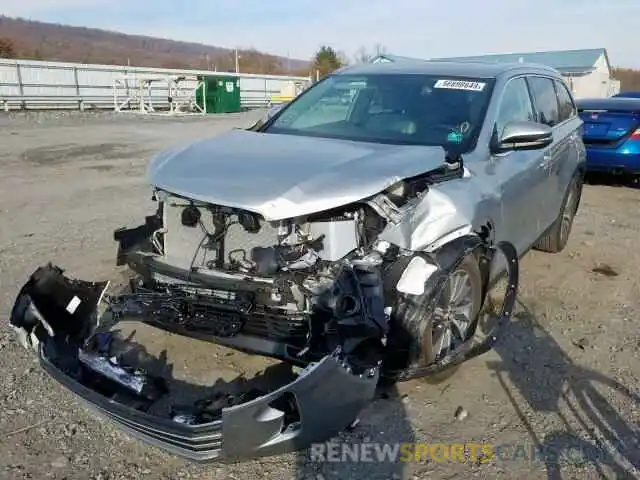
(284, 176)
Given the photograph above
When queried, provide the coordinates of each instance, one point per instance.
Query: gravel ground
(565, 377)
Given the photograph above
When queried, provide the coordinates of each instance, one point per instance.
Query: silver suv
(356, 239)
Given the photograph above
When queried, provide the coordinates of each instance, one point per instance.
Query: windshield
(390, 108)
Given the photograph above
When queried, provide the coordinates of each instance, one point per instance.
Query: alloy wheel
(452, 315)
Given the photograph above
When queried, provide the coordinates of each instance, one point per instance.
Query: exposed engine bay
(309, 284)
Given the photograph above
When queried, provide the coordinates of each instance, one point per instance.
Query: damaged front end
(319, 292)
(57, 317)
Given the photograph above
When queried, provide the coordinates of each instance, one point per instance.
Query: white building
(587, 72)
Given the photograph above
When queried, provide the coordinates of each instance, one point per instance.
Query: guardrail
(32, 84)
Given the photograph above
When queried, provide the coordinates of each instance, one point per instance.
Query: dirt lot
(566, 376)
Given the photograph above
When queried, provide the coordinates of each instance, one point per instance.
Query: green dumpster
(221, 94)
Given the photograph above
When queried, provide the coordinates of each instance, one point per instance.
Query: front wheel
(454, 317)
(438, 323)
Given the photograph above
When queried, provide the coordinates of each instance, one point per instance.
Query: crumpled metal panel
(286, 176)
(436, 217)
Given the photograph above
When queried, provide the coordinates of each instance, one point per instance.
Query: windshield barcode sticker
(460, 85)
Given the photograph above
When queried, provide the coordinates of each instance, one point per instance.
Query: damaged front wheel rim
(453, 314)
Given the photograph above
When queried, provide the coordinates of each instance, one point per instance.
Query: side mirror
(524, 136)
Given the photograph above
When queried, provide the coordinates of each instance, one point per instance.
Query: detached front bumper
(324, 399)
(59, 318)
(328, 399)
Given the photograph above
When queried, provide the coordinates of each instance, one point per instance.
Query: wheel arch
(448, 257)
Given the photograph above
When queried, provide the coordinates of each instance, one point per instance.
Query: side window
(515, 104)
(544, 95)
(567, 108)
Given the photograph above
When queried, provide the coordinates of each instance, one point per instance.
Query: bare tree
(7, 48)
(343, 58)
(380, 49)
(362, 56)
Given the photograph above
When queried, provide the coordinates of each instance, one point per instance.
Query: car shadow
(592, 430)
(384, 422)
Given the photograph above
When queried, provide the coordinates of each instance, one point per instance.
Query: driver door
(518, 173)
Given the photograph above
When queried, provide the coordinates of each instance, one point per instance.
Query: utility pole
(237, 63)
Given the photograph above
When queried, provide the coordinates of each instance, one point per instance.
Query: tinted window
(546, 100)
(566, 107)
(515, 104)
(390, 108)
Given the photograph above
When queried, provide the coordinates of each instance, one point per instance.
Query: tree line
(326, 60)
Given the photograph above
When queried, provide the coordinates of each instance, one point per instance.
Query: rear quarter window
(546, 100)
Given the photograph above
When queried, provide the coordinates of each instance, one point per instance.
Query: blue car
(632, 94)
(611, 134)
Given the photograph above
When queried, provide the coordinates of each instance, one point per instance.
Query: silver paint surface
(286, 176)
(519, 193)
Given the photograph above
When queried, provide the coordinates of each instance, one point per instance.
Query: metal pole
(237, 64)
(204, 94)
(20, 85)
(115, 96)
(77, 85)
(266, 92)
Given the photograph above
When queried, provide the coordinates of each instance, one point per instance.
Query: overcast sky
(419, 28)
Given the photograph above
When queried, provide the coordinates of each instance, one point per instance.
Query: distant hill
(28, 39)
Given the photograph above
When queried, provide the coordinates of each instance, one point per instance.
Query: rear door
(548, 112)
(608, 122)
(568, 133)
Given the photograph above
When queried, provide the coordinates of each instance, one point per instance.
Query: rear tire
(556, 239)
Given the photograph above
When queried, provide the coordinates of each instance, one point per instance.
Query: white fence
(30, 84)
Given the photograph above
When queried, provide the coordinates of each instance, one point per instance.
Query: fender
(424, 268)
